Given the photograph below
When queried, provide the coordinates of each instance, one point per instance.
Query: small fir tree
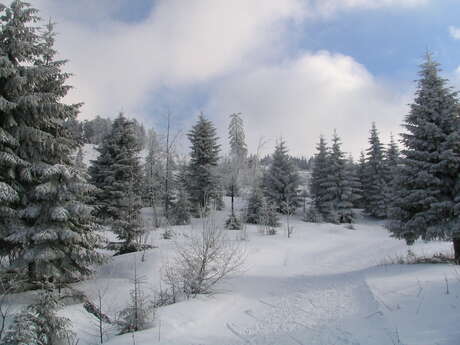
(39, 324)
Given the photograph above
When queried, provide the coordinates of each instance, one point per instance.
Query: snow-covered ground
(325, 285)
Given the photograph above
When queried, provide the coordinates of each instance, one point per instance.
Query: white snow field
(325, 285)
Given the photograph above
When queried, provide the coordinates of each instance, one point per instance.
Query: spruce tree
(391, 162)
(281, 181)
(55, 238)
(318, 176)
(19, 48)
(375, 179)
(427, 202)
(392, 154)
(180, 210)
(361, 175)
(339, 192)
(118, 175)
(39, 324)
(237, 138)
(235, 166)
(204, 185)
(254, 207)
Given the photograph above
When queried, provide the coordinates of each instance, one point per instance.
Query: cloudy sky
(294, 68)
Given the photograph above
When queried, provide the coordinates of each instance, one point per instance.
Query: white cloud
(234, 47)
(309, 96)
(330, 7)
(117, 65)
(120, 66)
(454, 32)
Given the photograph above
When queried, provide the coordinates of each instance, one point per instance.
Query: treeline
(95, 130)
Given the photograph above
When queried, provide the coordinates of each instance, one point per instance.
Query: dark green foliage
(180, 210)
(39, 324)
(233, 223)
(281, 181)
(255, 205)
(318, 178)
(52, 235)
(339, 186)
(375, 186)
(203, 182)
(117, 174)
(427, 204)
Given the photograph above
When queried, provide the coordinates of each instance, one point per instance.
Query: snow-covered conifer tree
(281, 180)
(180, 210)
(361, 175)
(318, 176)
(56, 238)
(19, 42)
(427, 203)
(254, 207)
(375, 179)
(203, 186)
(238, 148)
(118, 175)
(338, 184)
(39, 324)
(391, 161)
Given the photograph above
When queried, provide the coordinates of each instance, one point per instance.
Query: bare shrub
(204, 257)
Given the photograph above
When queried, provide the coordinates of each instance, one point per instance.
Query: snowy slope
(326, 285)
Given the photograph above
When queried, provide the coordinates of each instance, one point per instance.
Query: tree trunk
(456, 242)
(233, 195)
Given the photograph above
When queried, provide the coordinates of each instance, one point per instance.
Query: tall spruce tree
(19, 48)
(204, 185)
(281, 180)
(427, 202)
(318, 176)
(56, 237)
(375, 179)
(118, 175)
(235, 165)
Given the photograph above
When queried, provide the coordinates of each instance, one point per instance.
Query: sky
(295, 69)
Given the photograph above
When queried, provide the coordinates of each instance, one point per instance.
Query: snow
(89, 153)
(325, 285)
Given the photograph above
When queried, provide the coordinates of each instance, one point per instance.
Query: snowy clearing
(325, 285)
